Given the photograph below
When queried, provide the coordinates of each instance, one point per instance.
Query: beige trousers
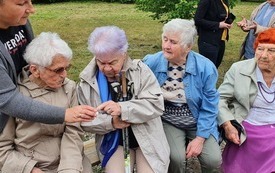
(116, 162)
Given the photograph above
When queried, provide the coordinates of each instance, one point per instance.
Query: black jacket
(207, 18)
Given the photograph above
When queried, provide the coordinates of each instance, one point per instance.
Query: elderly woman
(138, 109)
(247, 109)
(30, 147)
(188, 82)
(15, 34)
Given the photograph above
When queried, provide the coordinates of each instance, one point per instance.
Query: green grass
(74, 21)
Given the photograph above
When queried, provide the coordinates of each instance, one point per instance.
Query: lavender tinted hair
(185, 28)
(107, 40)
(45, 47)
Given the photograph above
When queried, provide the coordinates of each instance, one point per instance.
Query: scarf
(111, 140)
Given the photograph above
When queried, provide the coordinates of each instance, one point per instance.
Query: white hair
(43, 49)
(185, 28)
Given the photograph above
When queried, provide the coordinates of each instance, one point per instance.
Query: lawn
(74, 21)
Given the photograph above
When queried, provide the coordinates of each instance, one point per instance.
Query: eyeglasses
(269, 51)
(59, 70)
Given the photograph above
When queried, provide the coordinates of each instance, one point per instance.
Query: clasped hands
(113, 108)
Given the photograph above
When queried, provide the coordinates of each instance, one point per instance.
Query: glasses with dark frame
(59, 70)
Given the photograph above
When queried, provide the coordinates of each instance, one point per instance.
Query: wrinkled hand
(194, 147)
(245, 25)
(81, 113)
(225, 25)
(251, 25)
(111, 108)
(242, 23)
(119, 124)
(231, 133)
(36, 170)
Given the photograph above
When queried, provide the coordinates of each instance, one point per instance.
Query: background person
(247, 97)
(188, 82)
(262, 18)
(30, 147)
(15, 35)
(140, 113)
(213, 29)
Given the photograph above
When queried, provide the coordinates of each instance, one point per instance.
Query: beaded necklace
(261, 88)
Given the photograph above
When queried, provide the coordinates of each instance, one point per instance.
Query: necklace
(261, 88)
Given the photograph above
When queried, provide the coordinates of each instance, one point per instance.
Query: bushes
(48, 1)
(56, 1)
(166, 10)
(121, 1)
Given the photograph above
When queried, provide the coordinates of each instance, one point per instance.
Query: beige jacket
(143, 111)
(52, 148)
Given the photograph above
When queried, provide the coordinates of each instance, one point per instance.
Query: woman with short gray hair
(36, 147)
(15, 34)
(188, 82)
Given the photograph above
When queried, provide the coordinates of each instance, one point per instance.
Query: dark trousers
(213, 52)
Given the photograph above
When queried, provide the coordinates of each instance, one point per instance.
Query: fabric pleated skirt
(255, 155)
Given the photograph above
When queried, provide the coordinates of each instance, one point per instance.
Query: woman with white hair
(138, 109)
(32, 147)
(15, 34)
(188, 82)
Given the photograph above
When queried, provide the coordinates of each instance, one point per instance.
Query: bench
(90, 151)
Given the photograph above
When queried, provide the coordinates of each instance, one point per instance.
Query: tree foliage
(169, 9)
(57, 1)
(121, 1)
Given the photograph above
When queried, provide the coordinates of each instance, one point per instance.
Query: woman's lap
(256, 154)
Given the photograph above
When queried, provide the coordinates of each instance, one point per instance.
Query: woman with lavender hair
(100, 85)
